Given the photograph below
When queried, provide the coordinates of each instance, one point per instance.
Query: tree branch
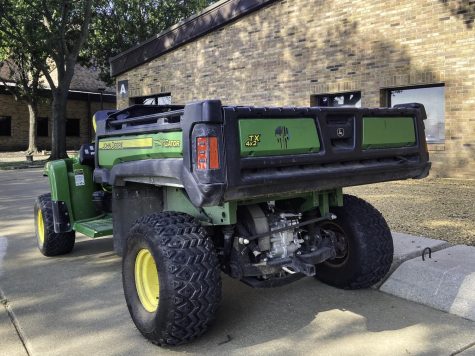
(84, 28)
(47, 13)
(62, 28)
(45, 69)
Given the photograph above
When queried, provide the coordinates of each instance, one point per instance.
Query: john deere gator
(191, 191)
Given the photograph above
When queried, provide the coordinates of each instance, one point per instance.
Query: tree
(23, 82)
(53, 31)
(119, 25)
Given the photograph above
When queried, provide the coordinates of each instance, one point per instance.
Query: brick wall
(291, 50)
(18, 111)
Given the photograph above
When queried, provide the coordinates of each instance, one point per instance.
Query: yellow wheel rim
(146, 280)
(41, 227)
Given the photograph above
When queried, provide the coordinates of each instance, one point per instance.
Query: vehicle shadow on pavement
(88, 247)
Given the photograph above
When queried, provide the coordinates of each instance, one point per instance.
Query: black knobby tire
(369, 246)
(52, 243)
(188, 274)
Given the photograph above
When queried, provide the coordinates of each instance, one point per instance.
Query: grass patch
(5, 166)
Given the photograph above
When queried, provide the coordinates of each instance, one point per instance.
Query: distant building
(328, 53)
(84, 99)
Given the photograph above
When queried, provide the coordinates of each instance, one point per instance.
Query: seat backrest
(87, 153)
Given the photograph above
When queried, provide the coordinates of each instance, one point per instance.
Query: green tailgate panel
(388, 132)
(271, 137)
(131, 148)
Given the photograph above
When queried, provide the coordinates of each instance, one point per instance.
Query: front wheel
(363, 244)
(171, 278)
(49, 242)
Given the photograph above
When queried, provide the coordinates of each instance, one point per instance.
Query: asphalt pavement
(74, 305)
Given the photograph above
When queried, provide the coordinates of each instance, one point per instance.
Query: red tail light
(207, 153)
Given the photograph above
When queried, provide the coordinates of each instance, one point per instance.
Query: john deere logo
(340, 132)
(283, 136)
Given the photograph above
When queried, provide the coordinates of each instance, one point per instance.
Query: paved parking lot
(74, 305)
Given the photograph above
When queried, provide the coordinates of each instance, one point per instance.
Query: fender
(72, 187)
(57, 172)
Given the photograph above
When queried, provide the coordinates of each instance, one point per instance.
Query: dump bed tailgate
(274, 150)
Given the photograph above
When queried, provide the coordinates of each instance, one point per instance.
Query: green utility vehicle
(190, 191)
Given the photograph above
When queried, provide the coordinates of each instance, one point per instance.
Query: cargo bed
(225, 153)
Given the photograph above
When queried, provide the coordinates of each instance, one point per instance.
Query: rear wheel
(171, 278)
(364, 246)
(49, 242)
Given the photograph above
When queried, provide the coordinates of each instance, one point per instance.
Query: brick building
(84, 100)
(321, 52)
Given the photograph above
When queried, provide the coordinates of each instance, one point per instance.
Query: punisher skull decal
(283, 136)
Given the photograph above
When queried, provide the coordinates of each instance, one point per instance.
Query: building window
(161, 99)
(73, 127)
(5, 126)
(433, 98)
(352, 99)
(42, 127)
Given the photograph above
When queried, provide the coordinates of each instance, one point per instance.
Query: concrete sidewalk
(74, 304)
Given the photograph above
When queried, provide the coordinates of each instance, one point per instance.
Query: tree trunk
(58, 134)
(33, 114)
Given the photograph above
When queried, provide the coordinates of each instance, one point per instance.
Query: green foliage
(20, 60)
(119, 25)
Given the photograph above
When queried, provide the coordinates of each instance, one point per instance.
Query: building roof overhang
(210, 19)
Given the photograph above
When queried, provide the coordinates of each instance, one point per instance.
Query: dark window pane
(42, 127)
(323, 100)
(433, 99)
(352, 99)
(5, 126)
(72, 127)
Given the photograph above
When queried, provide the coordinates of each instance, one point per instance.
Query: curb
(407, 247)
(445, 282)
